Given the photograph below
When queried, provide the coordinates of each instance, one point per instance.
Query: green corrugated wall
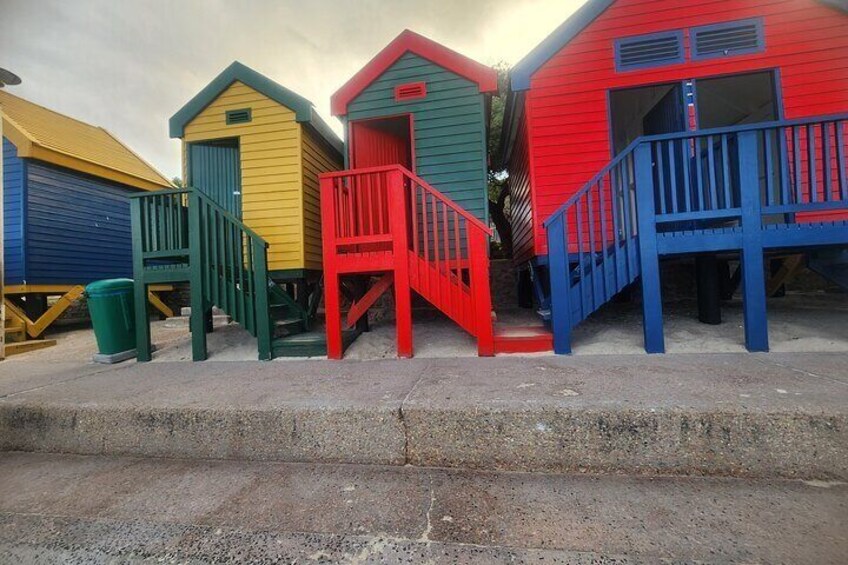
(450, 127)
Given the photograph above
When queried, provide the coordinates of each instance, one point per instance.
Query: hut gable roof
(568, 30)
(46, 135)
(238, 72)
(485, 77)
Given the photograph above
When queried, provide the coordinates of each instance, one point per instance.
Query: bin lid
(109, 286)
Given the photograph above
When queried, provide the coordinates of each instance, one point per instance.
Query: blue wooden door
(215, 170)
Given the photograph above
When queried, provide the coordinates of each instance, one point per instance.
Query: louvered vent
(726, 39)
(410, 91)
(241, 116)
(649, 50)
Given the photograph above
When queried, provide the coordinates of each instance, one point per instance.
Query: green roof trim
(303, 108)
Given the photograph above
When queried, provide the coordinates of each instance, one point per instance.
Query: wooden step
(19, 347)
(309, 344)
(15, 334)
(288, 327)
(523, 339)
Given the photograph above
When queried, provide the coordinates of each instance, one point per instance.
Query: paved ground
(72, 509)
(769, 415)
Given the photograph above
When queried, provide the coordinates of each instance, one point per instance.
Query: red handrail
(437, 247)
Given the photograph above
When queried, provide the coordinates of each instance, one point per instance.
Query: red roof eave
(485, 77)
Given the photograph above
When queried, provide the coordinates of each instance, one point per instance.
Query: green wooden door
(215, 170)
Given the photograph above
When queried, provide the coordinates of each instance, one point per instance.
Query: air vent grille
(726, 39)
(410, 91)
(649, 51)
(241, 116)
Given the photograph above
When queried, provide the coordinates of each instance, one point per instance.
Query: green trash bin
(110, 304)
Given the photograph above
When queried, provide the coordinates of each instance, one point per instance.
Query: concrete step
(61, 509)
(723, 414)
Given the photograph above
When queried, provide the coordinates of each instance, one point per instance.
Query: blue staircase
(746, 189)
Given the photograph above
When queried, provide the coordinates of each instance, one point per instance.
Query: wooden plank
(648, 255)
(362, 305)
(157, 303)
(560, 285)
(788, 268)
(17, 348)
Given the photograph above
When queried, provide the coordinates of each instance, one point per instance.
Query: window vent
(727, 39)
(649, 50)
(410, 91)
(242, 116)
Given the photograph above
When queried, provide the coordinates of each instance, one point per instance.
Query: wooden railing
(738, 180)
(596, 228)
(800, 167)
(225, 261)
(230, 262)
(437, 247)
(162, 220)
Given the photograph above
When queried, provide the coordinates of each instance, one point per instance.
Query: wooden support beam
(648, 255)
(36, 328)
(752, 263)
(157, 303)
(16, 348)
(362, 305)
(788, 269)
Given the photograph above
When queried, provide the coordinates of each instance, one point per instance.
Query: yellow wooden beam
(158, 304)
(19, 347)
(37, 327)
(39, 288)
(63, 288)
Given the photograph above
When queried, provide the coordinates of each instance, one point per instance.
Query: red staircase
(388, 222)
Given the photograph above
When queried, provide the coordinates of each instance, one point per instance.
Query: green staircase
(185, 236)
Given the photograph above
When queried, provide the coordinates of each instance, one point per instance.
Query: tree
(498, 179)
(177, 182)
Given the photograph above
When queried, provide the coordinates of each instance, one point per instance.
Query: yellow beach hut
(257, 148)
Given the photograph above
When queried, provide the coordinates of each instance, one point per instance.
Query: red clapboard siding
(567, 101)
(521, 205)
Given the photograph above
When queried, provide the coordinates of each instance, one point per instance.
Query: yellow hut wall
(318, 157)
(271, 170)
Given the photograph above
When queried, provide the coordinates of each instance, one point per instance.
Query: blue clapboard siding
(78, 227)
(450, 127)
(13, 213)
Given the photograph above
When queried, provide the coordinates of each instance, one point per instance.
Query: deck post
(197, 320)
(478, 250)
(752, 264)
(142, 320)
(400, 252)
(648, 254)
(262, 302)
(332, 303)
(560, 285)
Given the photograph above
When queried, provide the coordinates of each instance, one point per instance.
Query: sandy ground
(797, 323)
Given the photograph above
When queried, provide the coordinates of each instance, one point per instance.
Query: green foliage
(177, 182)
(496, 120)
(498, 180)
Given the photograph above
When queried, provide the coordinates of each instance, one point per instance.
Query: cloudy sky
(128, 65)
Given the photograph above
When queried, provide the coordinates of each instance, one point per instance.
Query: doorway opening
(382, 141)
(736, 100)
(645, 110)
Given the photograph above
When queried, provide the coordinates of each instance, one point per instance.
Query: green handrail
(227, 261)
